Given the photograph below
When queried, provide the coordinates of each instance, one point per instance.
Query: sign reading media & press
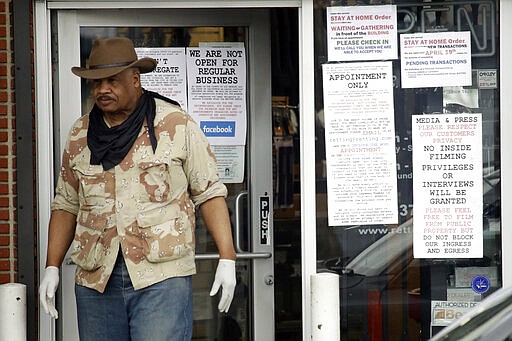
(447, 185)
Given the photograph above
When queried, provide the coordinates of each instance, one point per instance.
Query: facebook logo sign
(218, 128)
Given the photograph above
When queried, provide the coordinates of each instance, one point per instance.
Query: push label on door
(264, 220)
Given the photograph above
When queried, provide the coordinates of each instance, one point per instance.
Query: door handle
(238, 221)
(210, 256)
(241, 255)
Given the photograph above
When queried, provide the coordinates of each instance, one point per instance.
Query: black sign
(264, 220)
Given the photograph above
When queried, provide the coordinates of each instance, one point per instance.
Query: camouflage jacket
(145, 205)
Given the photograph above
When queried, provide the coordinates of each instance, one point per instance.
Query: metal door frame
(69, 23)
(505, 11)
(259, 101)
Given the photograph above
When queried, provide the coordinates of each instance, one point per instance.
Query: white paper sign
(230, 163)
(447, 186)
(360, 143)
(169, 77)
(487, 78)
(445, 312)
(361, 33)
(217, 93)
(458, 99)
(462, 295)
(435, 59)
(465, 275)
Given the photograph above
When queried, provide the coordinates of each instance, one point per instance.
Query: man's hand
(47, 290)
(225, 277)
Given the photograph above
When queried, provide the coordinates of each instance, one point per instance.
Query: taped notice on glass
(230, 163)
(360, 143)
(169, 78)
(445, 312)
(216, 79)
(435, 59)
(362, 33)
(447, 186)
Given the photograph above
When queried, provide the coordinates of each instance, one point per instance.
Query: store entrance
(259, 168)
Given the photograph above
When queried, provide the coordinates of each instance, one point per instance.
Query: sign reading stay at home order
(447, 186)
(217, 92)
(361, 33)
(435, 59)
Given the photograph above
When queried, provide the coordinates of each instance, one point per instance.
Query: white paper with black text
(447, 186)
(360, 143)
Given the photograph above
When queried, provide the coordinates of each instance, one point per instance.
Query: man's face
(117, 94)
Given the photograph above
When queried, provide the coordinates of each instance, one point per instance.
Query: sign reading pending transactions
(435, 59)
(447, 186)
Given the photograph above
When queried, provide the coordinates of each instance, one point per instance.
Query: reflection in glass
(385, 293)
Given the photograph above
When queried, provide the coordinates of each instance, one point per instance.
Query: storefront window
(436, 86)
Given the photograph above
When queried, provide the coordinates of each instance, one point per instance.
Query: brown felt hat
(110, 56)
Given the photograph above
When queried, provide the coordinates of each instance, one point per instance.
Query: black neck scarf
(109, 145)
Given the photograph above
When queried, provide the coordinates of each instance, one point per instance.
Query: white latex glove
(225, 277)
(47, 290)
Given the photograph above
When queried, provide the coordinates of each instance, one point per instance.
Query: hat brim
(144, 65)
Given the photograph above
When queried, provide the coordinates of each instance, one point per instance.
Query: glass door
(246, 168)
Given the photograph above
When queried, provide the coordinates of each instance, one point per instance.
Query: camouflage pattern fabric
(145, 205)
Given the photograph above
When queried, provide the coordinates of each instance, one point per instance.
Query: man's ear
(136, 79)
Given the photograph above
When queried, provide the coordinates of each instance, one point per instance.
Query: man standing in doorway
(133, 171)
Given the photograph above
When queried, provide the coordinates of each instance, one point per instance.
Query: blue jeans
(161, 312)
